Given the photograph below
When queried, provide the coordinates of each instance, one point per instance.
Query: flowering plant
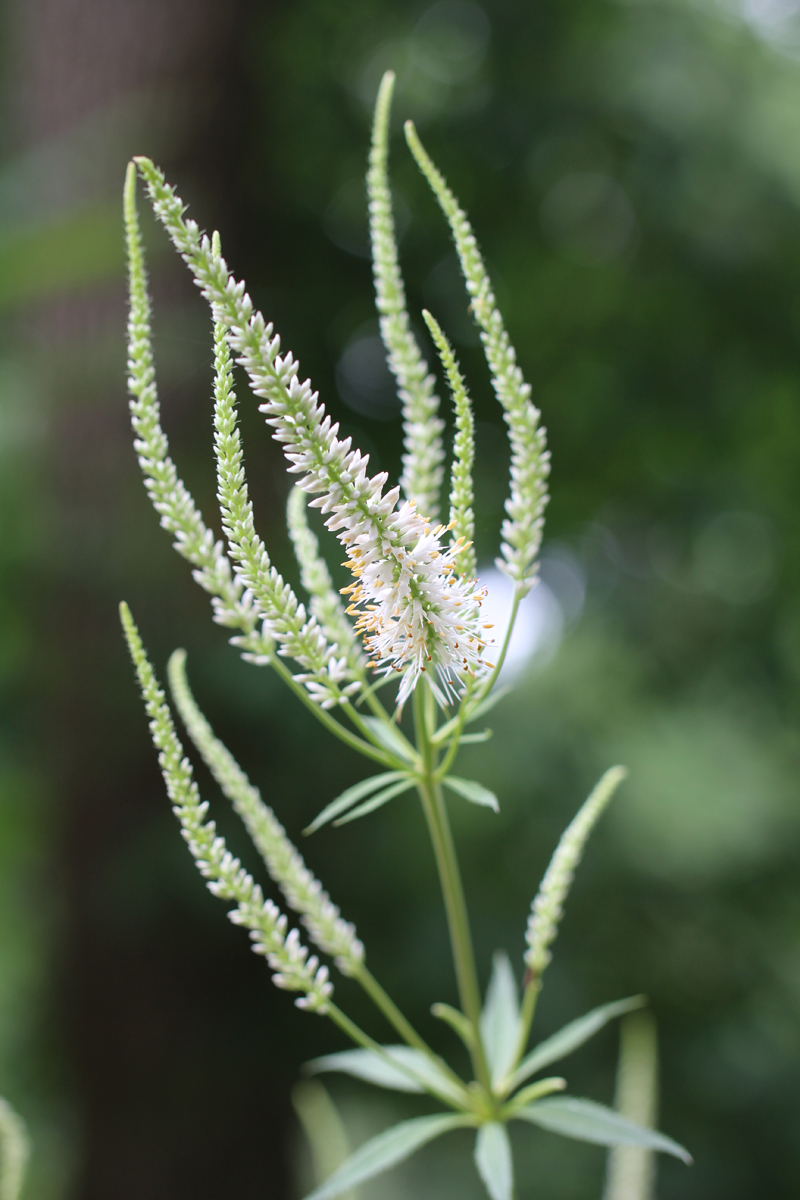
(416, 604)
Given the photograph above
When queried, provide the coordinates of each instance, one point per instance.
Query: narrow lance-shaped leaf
(422, 427)
(568, 1039)
(14, 1152)
(499, 1023)
(493, 1160)
(587, 1121)
(548, 906)
(378, 801)
(530, 460)
(283, 861)
(462, 518)
(476, 793)
(351, 796)
(408, 1071)
(386, 1150)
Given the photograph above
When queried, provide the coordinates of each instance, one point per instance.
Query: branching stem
(433, 806)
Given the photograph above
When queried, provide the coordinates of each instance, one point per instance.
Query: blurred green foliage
(633, 173)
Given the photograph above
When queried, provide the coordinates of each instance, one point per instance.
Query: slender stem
(391, 1011)
(492, 680)
(350, 739)
(401, 1024)
(450, 879)
(366, 732)
(529, 999)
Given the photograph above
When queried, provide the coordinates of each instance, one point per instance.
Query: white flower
(415, 613)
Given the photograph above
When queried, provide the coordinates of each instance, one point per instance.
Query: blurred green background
(633, 173)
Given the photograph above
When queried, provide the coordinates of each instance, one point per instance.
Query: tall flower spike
(324, 603)
(293, 969)
(462, 518)
(421, 480)
(302, 891)
(548, 907)
(416, 617)
(530, 461)
(167, 492)
(298, 638)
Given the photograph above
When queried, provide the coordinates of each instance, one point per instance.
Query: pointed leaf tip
(385, 1151)
(587, 1121)
(499, 1023)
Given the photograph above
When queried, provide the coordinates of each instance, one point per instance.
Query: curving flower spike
(462, 518)
(297, 637)
(530, 460)
(293, 969)
(303, 892)
(421, 480)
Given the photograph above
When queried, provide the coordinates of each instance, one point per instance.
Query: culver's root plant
(410, 622)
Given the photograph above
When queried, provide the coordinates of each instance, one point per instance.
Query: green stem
(390, 1010)
(450, 878)
(529, 999)
(400, 1023)
(350, 739)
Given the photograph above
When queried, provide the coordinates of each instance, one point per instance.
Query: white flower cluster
(416, 613)
(356, 507)
(295, 970)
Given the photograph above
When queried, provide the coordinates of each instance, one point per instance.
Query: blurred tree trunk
(137, 995)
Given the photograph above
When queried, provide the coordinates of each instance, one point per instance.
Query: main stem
(433, 806)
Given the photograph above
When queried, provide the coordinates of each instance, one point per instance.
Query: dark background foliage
(633, 173)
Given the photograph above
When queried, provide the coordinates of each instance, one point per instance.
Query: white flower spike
(414, 607)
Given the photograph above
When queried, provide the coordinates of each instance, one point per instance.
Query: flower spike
(298, 637)
(302, 891)
(417, 616)
(422, 427)
(530, 460)
(548, 907)
(462, 518)
(293, 969)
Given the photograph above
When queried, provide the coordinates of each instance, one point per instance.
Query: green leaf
(571, 1037)
(385, 1151)
(499, 1023)
(389, 736)
(488, 704)
(349, 797)
(472, 739)
(457, 1021)
(414, 1071)
(590, 1122)
(474, 792)
(493, 1160)
(382, 797)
